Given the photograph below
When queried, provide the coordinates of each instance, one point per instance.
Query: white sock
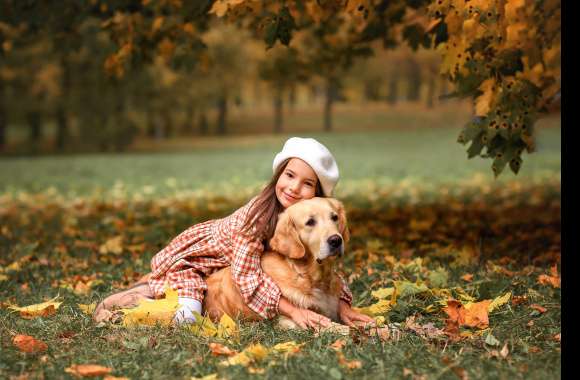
(186, 308)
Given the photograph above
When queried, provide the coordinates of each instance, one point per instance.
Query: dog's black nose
(335, 241)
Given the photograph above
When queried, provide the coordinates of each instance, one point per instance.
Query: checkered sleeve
(345, 293)
(258, 289)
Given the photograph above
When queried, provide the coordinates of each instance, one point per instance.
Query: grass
(409, 194)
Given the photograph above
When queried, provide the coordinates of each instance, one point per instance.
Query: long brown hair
(263, 215)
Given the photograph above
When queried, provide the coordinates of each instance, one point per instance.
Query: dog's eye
(334, 217)
(311, 222)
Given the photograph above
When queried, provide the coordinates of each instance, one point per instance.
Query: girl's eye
(334, 218)
(309, 184)
(289, 175)
(311, 222)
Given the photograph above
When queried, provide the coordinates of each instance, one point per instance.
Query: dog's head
(316, 226)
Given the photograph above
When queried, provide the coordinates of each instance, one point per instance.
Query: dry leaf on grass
(219, 349)
(43, 309)
(554, 279)
(338, 344)
(88, 370)
(26, 343)
(290, 347)
(538, 308)
(350, 364)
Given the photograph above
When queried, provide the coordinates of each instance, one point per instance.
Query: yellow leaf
(483, 102)
(290, 347)
(3, 277)
(220, 8)
(152, 312)
(382, 293)
(113, 245)
(157, 23)
(499, 301)
(203, 326)
(38, 310)
(377, 308)
(227, 327)
(87, 309)
(251, 354)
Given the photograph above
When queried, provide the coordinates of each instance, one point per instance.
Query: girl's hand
(349, 316)
(309, 319)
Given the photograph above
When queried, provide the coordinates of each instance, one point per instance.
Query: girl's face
(297, 182)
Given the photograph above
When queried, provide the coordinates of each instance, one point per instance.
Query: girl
(302, 170)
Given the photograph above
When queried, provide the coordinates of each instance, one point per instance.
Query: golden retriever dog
(309, 236)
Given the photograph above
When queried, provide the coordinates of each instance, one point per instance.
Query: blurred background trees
(98, 74)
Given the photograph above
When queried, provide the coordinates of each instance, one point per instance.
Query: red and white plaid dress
(206, 247)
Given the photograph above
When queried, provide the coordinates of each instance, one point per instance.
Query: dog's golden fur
(301, 263)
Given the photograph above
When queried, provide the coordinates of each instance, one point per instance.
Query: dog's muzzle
(333, 246)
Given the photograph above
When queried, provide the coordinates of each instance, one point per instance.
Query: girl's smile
(298, 181)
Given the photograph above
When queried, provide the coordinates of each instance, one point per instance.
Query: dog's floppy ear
(286, 240)
(342, 223)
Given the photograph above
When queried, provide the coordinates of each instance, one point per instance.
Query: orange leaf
(467, 277)
(219, 349)
(476, 314)
(338, 344)
(553, 280)
(350, 364)
(539, 308)
(86, 370)
(26, 343)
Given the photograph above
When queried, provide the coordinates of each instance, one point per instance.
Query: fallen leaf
(467, 277)
(227, 327)
(350, 364)
(477, 315)
(113, 245)
(87, 308)
(251, 354)
(38, 310)
(557, 337)
(219, 349)
(516, 300)
(380, 307)
(115, 378)
(152, 312)
(87, 370)
(290, 347)
(538, 308)
(382, 293)
(26, 343)
(338, 344)
(553, 280)
(499, 301)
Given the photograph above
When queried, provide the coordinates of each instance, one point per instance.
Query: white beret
(314, 154)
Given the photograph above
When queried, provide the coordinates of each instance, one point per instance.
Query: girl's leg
(127, 298)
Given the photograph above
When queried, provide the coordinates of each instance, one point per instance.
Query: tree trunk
(187, 128)
(203, 124)
(34, 123)
(292, 97)
(430, 91)
(3, 119)
(393, 94)
(330, 96)
(278, 102)
(62, 131)
(167, 123)
(222, 115)
(414, 81)
(151, 129)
